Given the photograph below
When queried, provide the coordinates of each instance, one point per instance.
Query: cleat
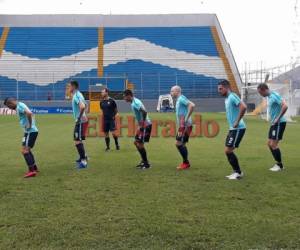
(118, 147)
(30, 174)
(79, 160)
(184, 166)
(276, 168)
(227, 176)
(107, 149)
(140, 165)
(82, 164)
(235, 176)
(145, 166)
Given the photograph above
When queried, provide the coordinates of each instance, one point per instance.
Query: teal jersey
(21, 107)
(274, 106)
(76, 100)
(232, 103)
(136, 107)
(182, 110)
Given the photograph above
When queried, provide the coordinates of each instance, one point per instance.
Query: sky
(259, 31)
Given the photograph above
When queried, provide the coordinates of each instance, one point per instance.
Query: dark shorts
(108, 125)
(143, 134)
(29, 139)
(276, 131)
(184, 137)
(80, 131)
(234, 138)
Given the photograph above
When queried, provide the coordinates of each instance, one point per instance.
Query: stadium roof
(80, 20)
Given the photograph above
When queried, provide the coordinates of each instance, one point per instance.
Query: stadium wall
(202, 105)
(41, 53)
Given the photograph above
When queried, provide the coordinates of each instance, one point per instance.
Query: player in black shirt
(109, 110)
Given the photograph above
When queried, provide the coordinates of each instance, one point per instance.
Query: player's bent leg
(273, 146)
(29, 159)
(184, 154)
(82, 161)
(35, 165)
(233, 161)
(144, 164)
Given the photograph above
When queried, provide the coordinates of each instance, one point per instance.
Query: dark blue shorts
(29, 139)
(185, 135)
(143, 134)
(234, 138)
(80, 131)
(276, 131)
(108, 125)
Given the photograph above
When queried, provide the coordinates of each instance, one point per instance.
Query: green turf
(111, 205)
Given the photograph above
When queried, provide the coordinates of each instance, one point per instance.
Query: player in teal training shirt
(184, 110)
(277, 107)
(27, 122)
(81, 123)
(235, 110)
(143, 132)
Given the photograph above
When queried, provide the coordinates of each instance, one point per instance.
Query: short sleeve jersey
(232, 103)
(182, 105)
(21, 107)
(274, 106)
(108, 108)
(136, 107)
(76, 100)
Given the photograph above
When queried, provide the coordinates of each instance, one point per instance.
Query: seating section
(36, 63)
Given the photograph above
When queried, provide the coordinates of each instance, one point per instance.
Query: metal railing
(146, 86)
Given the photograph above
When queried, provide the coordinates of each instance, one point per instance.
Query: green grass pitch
(111, 205)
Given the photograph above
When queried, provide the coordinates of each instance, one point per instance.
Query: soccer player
(184, 110)
(79, 106)
(27, 122)
(144, 127)
(235, 110)
(109, 110)
(277, 107)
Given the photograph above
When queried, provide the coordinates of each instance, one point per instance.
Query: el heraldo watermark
(127, 126)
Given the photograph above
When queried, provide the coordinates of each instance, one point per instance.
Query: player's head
(104, 92)
(223, 87)
(74, 85)
(128, 95)
(10, 102)
(263, 89)
(175, 91)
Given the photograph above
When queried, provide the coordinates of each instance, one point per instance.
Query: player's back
(232, 103)
(274, 106)
(182, 109)
(76, 100)
(21, 107)
(136, 107)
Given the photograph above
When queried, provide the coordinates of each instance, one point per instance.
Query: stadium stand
(40, 54)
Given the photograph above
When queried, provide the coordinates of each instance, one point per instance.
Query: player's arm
(28, 114)
(144, 116)
(243, 108)
(284, 108)
(191, 107)
(82, 109)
